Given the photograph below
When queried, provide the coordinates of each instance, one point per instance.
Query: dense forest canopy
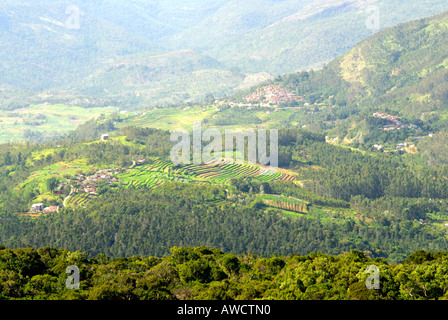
(203, 273)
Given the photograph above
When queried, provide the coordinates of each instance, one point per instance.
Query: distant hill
(404, 68)
(41, 48)
(402, 71)
(173, 77)
(291, 35)
(76, 46)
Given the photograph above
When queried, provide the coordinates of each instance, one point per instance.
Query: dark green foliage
(144, 222)
(211, 274)
(419, 257)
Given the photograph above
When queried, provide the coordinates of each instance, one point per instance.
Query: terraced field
(222, 173)
(58, 170)
(154, 173)
(80, 199)
(151, 175)
(168, 118)
(159, 171)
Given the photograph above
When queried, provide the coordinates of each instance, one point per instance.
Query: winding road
(67, 197)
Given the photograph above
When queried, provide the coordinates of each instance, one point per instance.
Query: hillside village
(273, 94)
(80, 183)
(394, 122)
(88, 183)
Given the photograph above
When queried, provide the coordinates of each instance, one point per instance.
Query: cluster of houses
(394, 122)
(39, 208)
(273, 94)
(399, 147)
(88, 183)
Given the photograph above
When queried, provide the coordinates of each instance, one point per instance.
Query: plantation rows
(160, 171)
(150, 180)
(151, 176)
(285, 203)
(80, 199)
(286, 177)
(222, 173)
(288, 206)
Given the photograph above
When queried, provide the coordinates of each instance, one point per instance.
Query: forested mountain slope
(401, 72)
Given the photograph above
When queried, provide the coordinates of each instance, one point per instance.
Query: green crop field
(58, 170)
(49, 120)
(167, 118)
(183, 118)
(160, 171)
(80, 199)
(150, 175)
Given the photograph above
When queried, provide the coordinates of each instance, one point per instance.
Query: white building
(37, 207)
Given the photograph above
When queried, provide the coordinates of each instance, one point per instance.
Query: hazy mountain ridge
(41, 50)
(290, 35)
(65, 45)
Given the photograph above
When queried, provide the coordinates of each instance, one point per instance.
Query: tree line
(206, 273)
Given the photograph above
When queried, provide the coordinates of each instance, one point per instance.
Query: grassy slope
(402, 71)
(58, 119)
(404, 62)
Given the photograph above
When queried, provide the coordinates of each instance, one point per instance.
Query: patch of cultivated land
(153, 173)
(183, 118)
(167, 118)
(46, 119)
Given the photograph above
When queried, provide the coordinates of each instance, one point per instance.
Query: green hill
(401, 71)
(285, 36)
(43, 49)
(403, 68)
(324, 198)
(174, 77)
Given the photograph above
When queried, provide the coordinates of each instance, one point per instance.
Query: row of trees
(204, 273)
(150, 222)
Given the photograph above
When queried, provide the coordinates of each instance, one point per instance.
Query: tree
(231, 264)
(195, 270)
(42, 286)
(51, 184)
(209, 99)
